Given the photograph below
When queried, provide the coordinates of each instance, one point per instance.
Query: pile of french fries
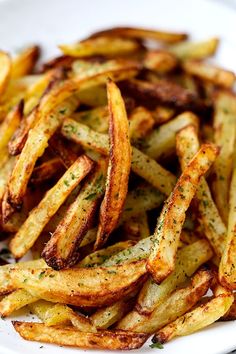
(118, 175)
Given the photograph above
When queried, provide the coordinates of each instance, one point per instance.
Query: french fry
(15, 301)
(38, 218)
(188, 260)
(230, 315)
(118, 167)
(141, 164)
(142, 33)
(114, 340)
(137, 227)
(179, 302)
(98, 257)
(141, 123)
(217, 76)
(61, 148)
(100, 46)
(160, 61)
(24, 62)
(62, 249)
(46, 171)
(227, 270)
(164, 92)
(198, 318)
(160, 143)
(5, 72)
(5, 173)
(81, 286)
(7, 129)
(96, 118)
(187, 145)
(161, 261)
(58, 314)
(94, 96)
(224, 123)
(162, 114)
(195, 50)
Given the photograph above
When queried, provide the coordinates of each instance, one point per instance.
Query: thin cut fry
(62, 250)
(141, 164)
(161, 261)
(38, 218)
(118, 168)
(187, 145)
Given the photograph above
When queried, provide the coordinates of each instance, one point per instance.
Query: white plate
(49, 22)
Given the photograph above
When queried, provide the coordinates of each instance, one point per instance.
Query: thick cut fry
(98, 257)
(161, 261)
(227, 268)
(164, 92)
(142, 33)
(187, 145)
(5, 71)
(6, 284)
(195, 50)
(118, 168)
(217, 76)
(141, 164)
(5, 172)
(58, 314)
(24, 62)
(46, 171)
(160, 61)
(81, 286)
(62, 250)
(68, 336)
(15, 301)
(100, 46)
(7, 129)
(224, 124)
(38, 218)
(198, 318)
(160, 143)
(188, 260)
(179, 302)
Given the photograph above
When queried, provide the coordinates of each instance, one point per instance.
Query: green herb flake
(156, 345)
(66, 183)
(91, 196)
(41, 274)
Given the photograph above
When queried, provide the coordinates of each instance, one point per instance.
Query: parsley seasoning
(156, 345)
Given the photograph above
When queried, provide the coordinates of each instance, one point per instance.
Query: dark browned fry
(61, 148)
(46, 171)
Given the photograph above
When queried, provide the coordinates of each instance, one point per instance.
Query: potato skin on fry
(81, 286)
(118, 168)
(68, 336)
(161, 261)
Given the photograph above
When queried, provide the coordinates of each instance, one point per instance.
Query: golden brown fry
(46, 171)
(62, 250)
(224, 124)
(81, 286)
(58, 314)
(160, 61)
(14, 301)
(176, 304)
(136, 227)
(61, 148)
(161, 261)
(160, 143)
(48, 206)
(7, 128)
(141, 164)
(96, 118)
(198, 318)
(216, 75)
(68, 336)
(100, 46)
(230, 315)
(118, 168)
(142, 33)
(162, 114)
(5, 71)
(98, 257)
(141, 123)
(24, 62)
(188, 260)
(195, 50)
(227, 268)
(5, 172)
(187, 145)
